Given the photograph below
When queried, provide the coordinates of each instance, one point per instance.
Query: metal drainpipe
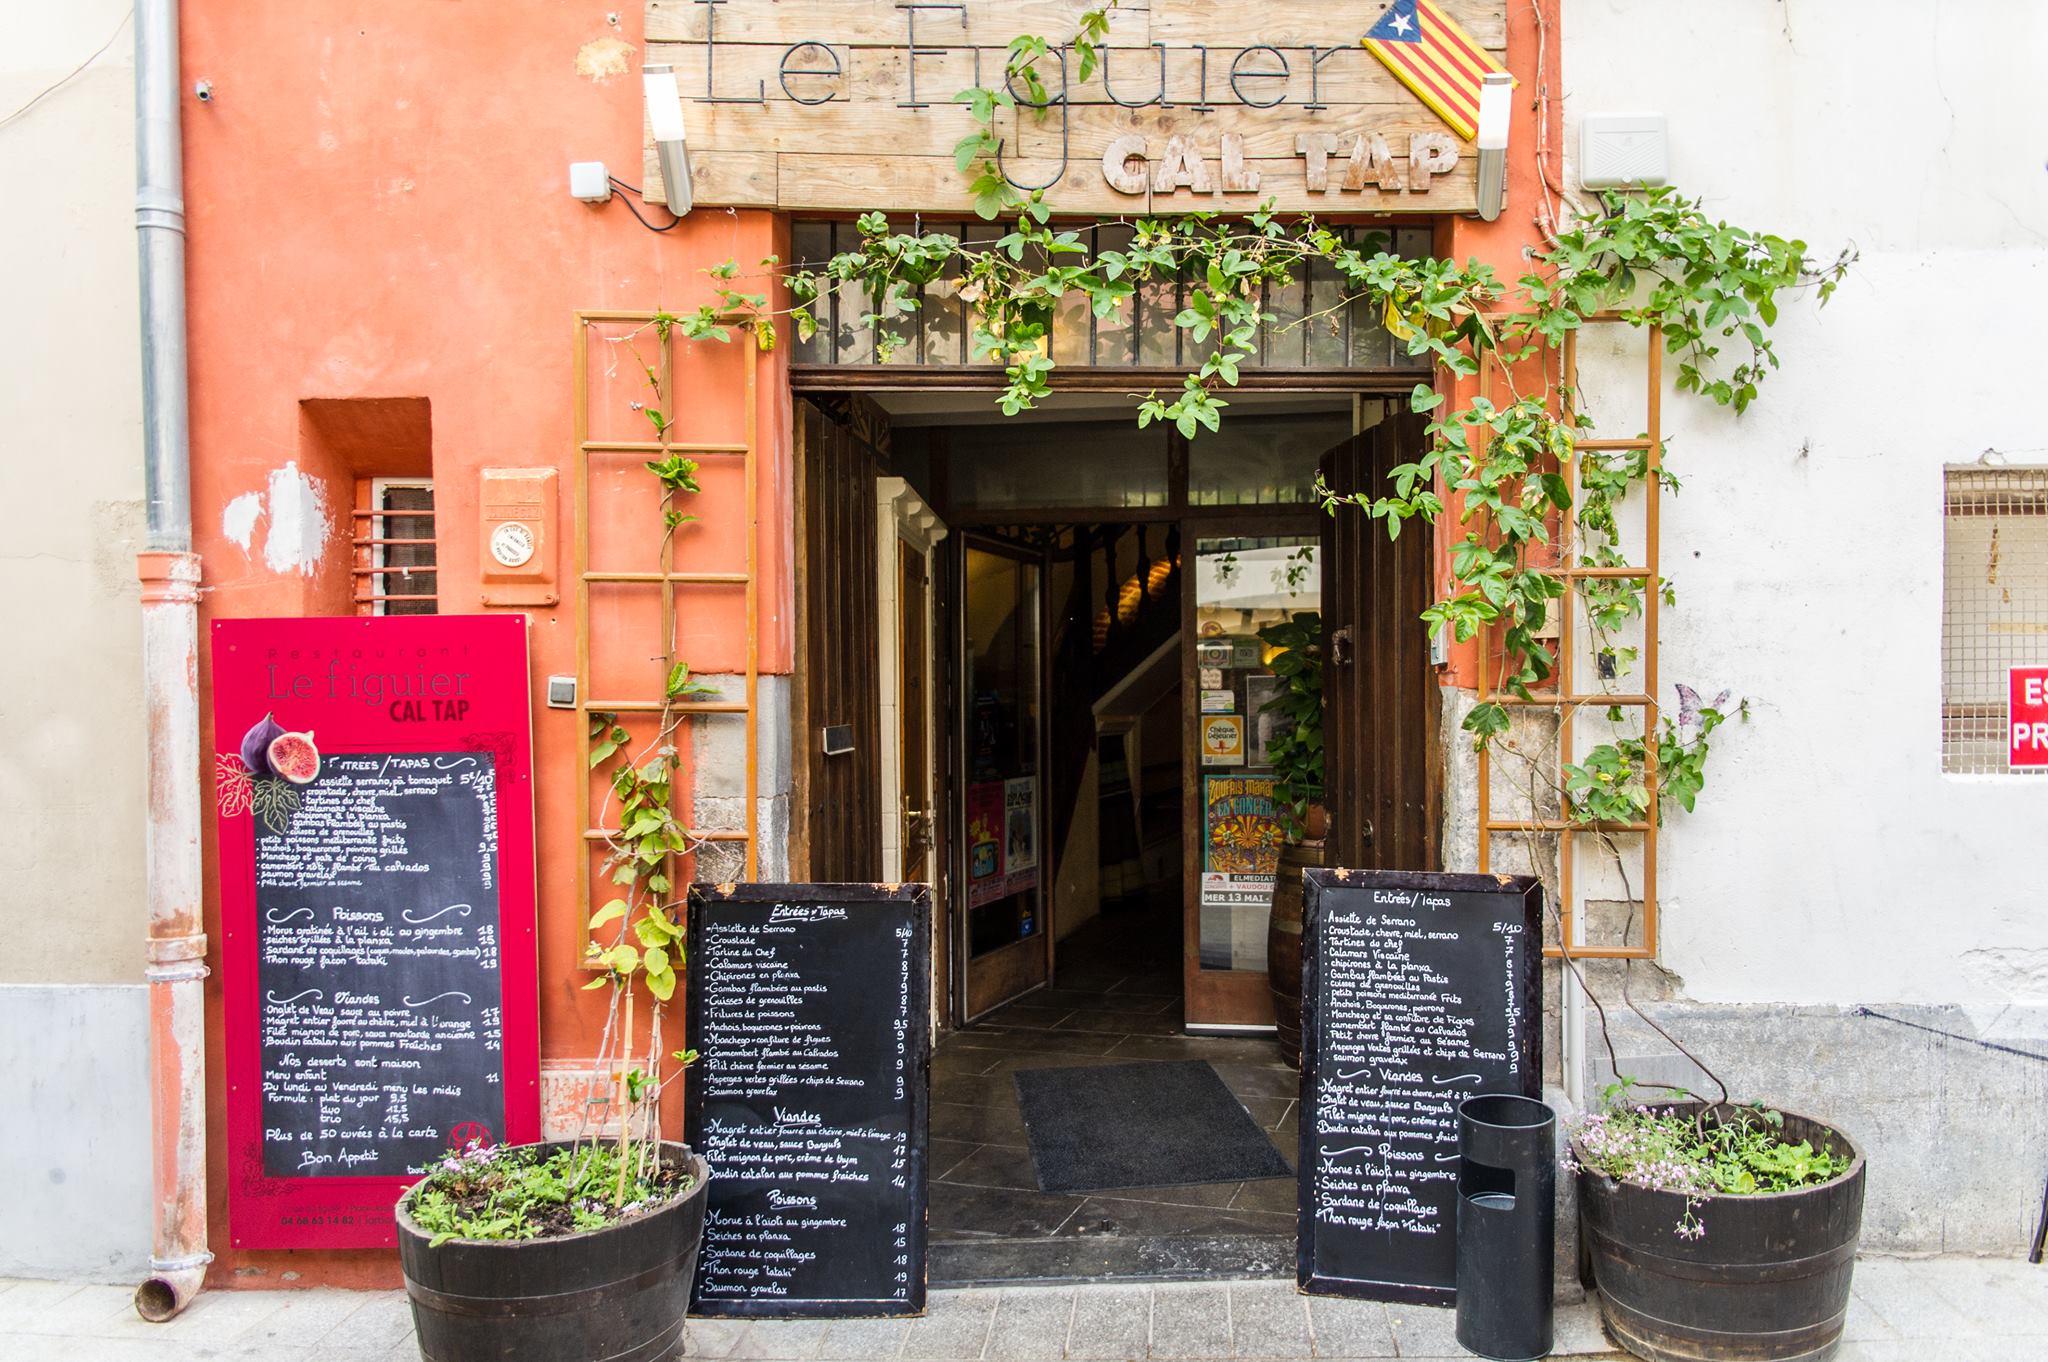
(169, 571)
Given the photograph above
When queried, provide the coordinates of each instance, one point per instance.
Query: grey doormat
(1140, 1125)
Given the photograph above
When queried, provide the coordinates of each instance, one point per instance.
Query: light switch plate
(1619, 150)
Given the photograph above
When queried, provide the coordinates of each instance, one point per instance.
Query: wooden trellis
(665, 577)
(1567, 697)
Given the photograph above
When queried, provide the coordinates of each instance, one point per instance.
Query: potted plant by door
(1295, 752)
(1715, 1230)
(576, 1251)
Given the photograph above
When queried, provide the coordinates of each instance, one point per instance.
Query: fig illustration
(256, 744)
(293, 757)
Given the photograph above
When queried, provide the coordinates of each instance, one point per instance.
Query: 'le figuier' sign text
(848, 105)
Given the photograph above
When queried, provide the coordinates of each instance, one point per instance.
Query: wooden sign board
(377, 922)
(847, 105)
(808, 1007)
(1418, 991)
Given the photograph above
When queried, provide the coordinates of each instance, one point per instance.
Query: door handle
(1340, 647)
(1365, 832)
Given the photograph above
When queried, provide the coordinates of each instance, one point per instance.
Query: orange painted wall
(378, 208)
(1533, 153)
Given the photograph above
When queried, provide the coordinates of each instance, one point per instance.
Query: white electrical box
(590, 181)
(1619, 150)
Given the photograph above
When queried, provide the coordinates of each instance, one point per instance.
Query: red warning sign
(2027, 717)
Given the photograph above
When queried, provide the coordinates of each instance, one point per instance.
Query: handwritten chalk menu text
(377, 912)
(378, 921)
(1418, 991)
(808, 1005)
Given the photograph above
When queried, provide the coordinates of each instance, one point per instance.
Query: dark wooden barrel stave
(1768, 1282)
(1283, 944)
(619, 1294)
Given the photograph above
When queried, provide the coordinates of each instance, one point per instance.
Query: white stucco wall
(71, 517)
(74, 1036)
(1830, 860)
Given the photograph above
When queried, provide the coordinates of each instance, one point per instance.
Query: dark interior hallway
(1116, 1000)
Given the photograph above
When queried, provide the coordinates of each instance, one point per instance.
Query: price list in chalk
(378, 970)
(1422, 992)
(808, 1102)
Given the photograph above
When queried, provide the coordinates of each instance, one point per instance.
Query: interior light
(1496, 100)
(665, 123)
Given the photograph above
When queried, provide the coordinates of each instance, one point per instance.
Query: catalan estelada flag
(1431, 55)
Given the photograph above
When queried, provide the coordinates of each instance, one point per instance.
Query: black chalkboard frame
(917, 900)
(1525, 893)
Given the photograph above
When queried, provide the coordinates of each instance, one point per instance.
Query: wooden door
(836, 834)
(913, 708)
(1382, 772)
(1254, 570)
(1001, 938)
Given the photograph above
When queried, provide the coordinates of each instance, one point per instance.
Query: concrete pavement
(1928, 1310)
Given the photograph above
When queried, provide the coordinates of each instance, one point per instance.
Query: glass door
(1245, 586)
(1002, 944)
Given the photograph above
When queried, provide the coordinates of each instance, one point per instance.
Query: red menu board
(373, 784)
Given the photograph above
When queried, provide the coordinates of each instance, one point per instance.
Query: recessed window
(395, 547)
(1994, 614)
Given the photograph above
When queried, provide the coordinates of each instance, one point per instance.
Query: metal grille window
(1313, 326)
(394, 548)
(1994, 609)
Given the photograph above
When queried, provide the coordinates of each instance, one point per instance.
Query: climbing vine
(645, 918)
(1710, 293)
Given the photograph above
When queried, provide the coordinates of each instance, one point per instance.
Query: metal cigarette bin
(1507, 1220)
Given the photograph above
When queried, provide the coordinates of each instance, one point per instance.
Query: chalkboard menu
(809, 1004)
(376, 909)
(1418, 991)
(377, 931)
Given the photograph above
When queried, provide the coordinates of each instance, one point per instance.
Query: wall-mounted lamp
(1496, 98)
(665, 122)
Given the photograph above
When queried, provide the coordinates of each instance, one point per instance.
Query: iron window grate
(395, 549)
(1994, 606)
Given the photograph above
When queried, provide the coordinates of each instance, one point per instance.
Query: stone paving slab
(1951, 1309)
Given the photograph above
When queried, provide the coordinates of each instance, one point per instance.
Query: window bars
(393, 561)
(1994, 607)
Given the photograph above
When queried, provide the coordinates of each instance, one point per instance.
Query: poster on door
(1241, 836)
(1020, 832)
(984, 843)
(1002, 839)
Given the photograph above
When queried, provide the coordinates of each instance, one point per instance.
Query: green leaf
(1486, 722)
(611, 912)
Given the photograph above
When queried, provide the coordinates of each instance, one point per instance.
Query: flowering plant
(1695, 1152)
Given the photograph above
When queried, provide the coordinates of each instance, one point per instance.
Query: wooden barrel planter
(1767, 1282)
(1283, 944)
(619, 1294)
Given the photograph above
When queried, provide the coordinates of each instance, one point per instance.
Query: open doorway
(1096, 798)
